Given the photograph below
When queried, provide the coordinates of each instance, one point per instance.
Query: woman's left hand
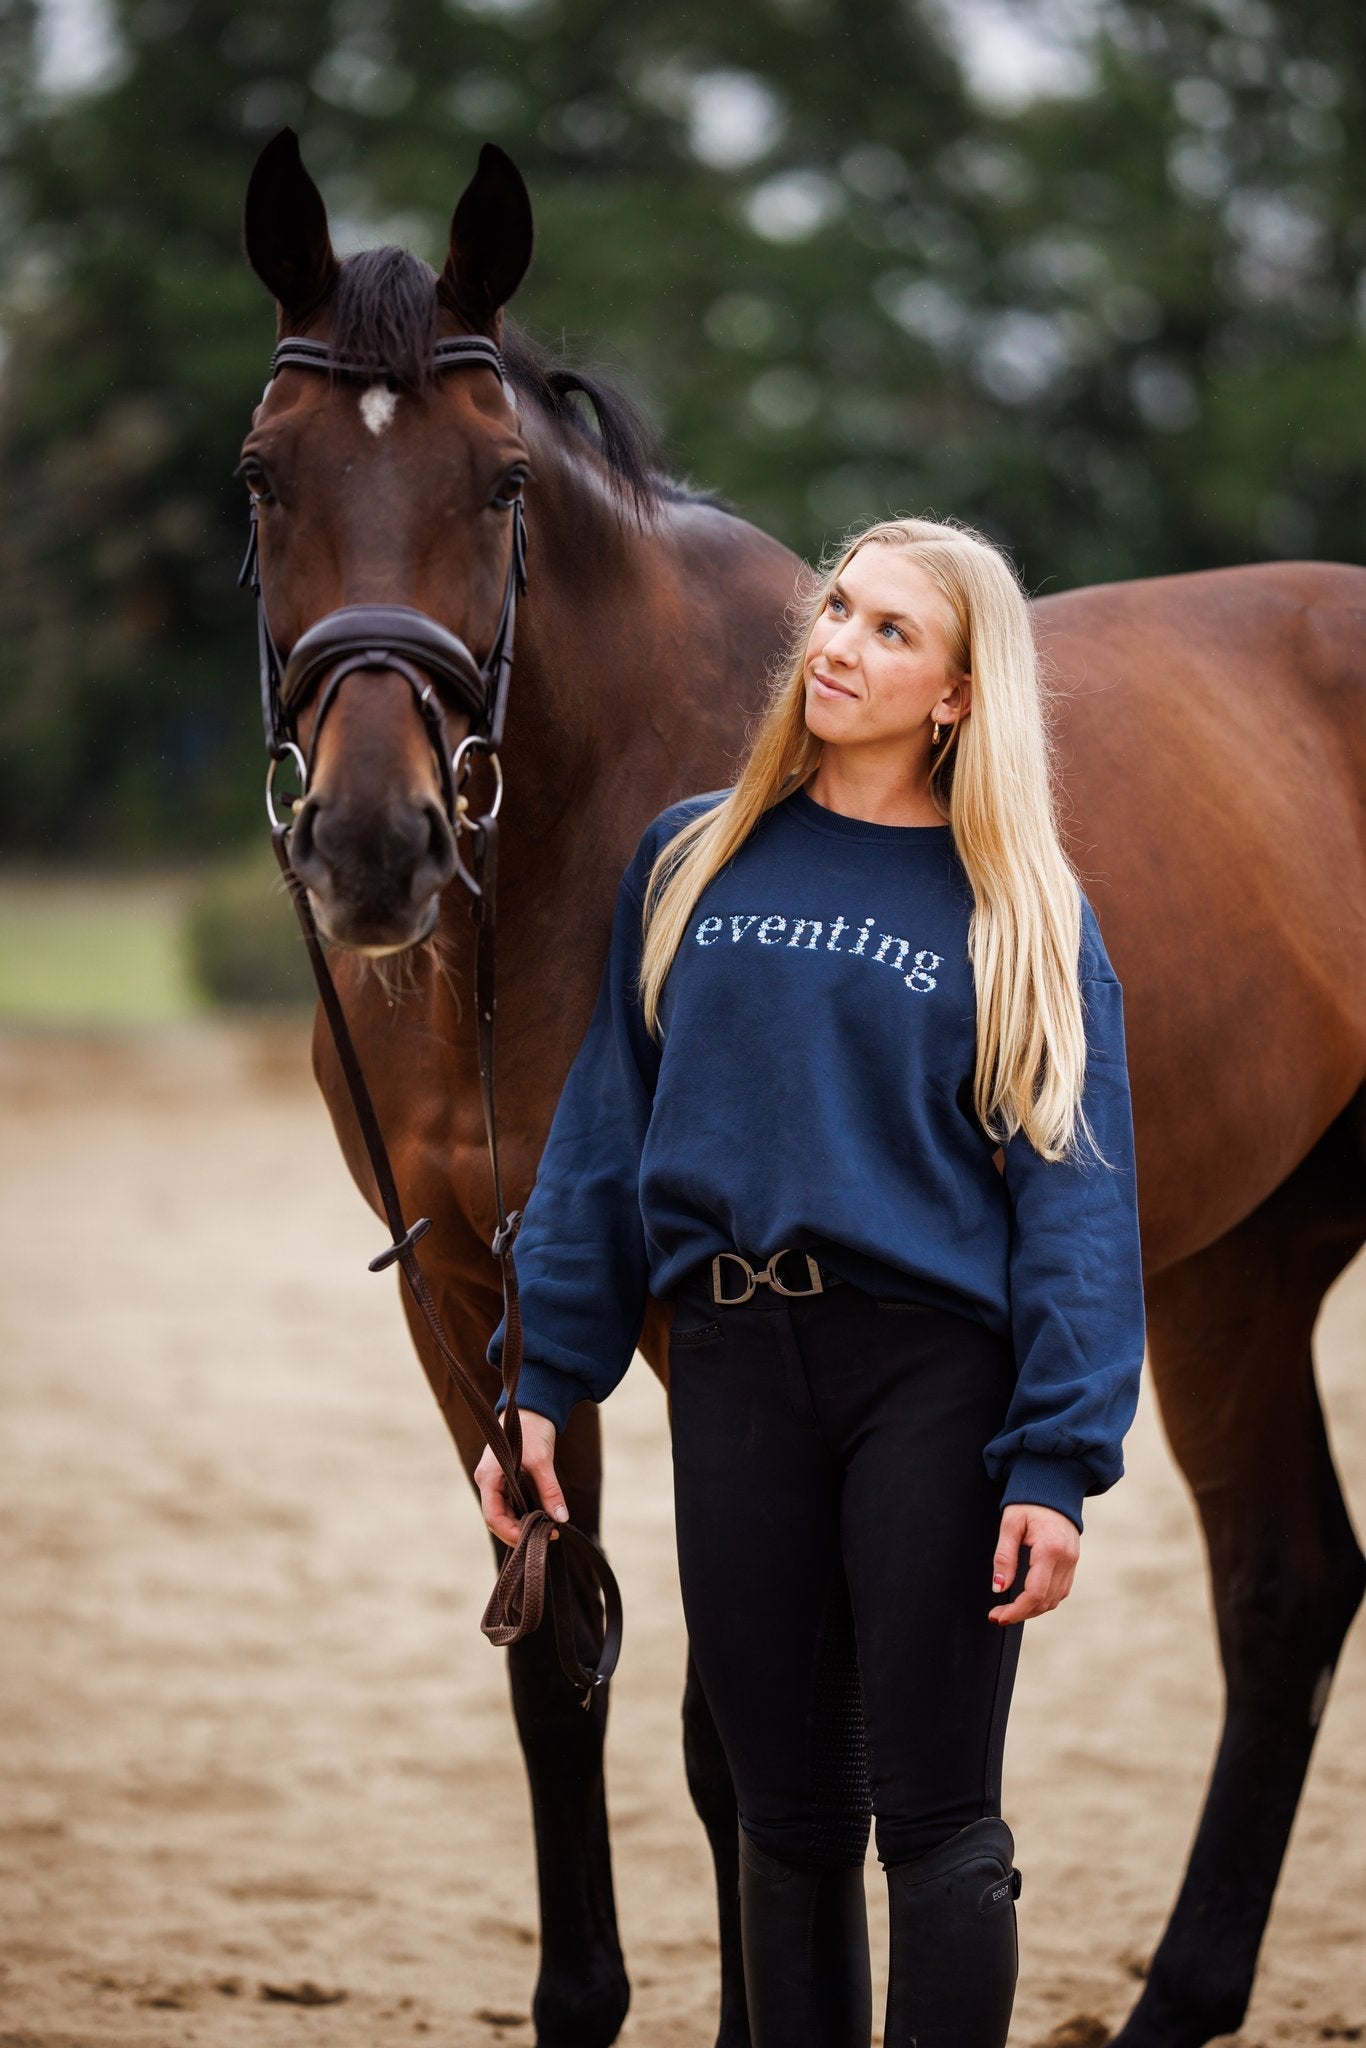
(1054, 1547)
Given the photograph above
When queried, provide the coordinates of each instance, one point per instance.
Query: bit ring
(285, 749)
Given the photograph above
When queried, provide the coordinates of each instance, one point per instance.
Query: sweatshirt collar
(804, 810)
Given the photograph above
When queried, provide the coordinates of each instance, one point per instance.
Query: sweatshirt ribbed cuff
(546, 1392)
(1059, 1483)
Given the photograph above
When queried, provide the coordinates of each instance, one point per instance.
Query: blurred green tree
(1087, 276)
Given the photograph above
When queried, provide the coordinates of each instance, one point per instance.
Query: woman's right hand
(538, 1463)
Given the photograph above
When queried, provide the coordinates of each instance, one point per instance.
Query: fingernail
(998, 1584)
(561, 1514)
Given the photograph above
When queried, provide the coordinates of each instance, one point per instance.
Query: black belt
(732, 1279)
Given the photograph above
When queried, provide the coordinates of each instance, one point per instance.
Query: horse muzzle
(374, 870)
(374, 859)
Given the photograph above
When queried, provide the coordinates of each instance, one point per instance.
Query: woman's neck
(875, 792)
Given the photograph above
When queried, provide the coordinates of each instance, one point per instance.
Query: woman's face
(878, 663)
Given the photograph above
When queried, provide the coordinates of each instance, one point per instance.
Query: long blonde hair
(992, 781)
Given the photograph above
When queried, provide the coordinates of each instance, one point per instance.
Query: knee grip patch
(841, 1805)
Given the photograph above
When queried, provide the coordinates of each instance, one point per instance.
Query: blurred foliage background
(1086, 272)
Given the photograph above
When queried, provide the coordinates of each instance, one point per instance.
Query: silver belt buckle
(752, 1279)
(800, 1293)
(767, 1278)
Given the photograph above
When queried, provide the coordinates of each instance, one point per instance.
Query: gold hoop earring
(934, 736)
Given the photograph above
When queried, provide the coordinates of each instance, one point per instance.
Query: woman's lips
(829, 687)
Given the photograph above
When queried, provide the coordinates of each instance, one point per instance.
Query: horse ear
(491, 235)
(284, 227)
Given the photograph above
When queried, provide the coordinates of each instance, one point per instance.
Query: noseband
(436, 663)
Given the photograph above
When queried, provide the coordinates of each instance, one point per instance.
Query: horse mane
(384, 312)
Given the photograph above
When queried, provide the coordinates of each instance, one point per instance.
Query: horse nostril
(301, 847)
(440, 843)
(318, 846)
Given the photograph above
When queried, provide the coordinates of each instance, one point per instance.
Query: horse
(1210, 745)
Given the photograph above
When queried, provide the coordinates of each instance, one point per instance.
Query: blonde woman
(854, 1097)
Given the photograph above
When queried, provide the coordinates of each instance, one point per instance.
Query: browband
(457, 351)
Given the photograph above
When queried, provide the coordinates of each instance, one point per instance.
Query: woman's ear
(956, 702)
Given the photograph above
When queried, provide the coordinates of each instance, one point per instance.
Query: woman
(854, 1097)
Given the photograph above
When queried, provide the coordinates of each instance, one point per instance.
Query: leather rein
(438, 667)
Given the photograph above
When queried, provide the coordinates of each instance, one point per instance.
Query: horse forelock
(384, 313)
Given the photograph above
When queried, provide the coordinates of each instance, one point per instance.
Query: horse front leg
(1229, 1335)
(713, 1795)
(581, 1993)
(708, 1773)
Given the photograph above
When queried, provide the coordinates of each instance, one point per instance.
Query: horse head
(385, 464)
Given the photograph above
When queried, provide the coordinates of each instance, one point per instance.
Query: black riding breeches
(836, 1530)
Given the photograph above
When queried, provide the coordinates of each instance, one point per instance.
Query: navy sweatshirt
(813, 1088)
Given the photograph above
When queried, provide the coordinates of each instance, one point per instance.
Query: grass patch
(94, 951)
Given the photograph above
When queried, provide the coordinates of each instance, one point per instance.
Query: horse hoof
(1084, 2030)
(592, 2021)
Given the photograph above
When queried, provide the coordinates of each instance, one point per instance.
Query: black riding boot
(954, 1957)
(805, 1939)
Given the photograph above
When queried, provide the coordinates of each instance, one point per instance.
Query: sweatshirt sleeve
(1076, 1284)
(581, 1256)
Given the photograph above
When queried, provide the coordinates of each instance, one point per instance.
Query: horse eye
(256, 481)
(510, 489)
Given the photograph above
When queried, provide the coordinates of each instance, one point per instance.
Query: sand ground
(251, 1740)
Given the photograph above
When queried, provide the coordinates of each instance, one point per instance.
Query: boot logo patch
(998, 1891)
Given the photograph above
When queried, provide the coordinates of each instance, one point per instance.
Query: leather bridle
(434, 662)
(437, 665)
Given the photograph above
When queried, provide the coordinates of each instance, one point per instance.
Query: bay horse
(1211, 747)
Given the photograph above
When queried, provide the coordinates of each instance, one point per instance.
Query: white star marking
(377, 407)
